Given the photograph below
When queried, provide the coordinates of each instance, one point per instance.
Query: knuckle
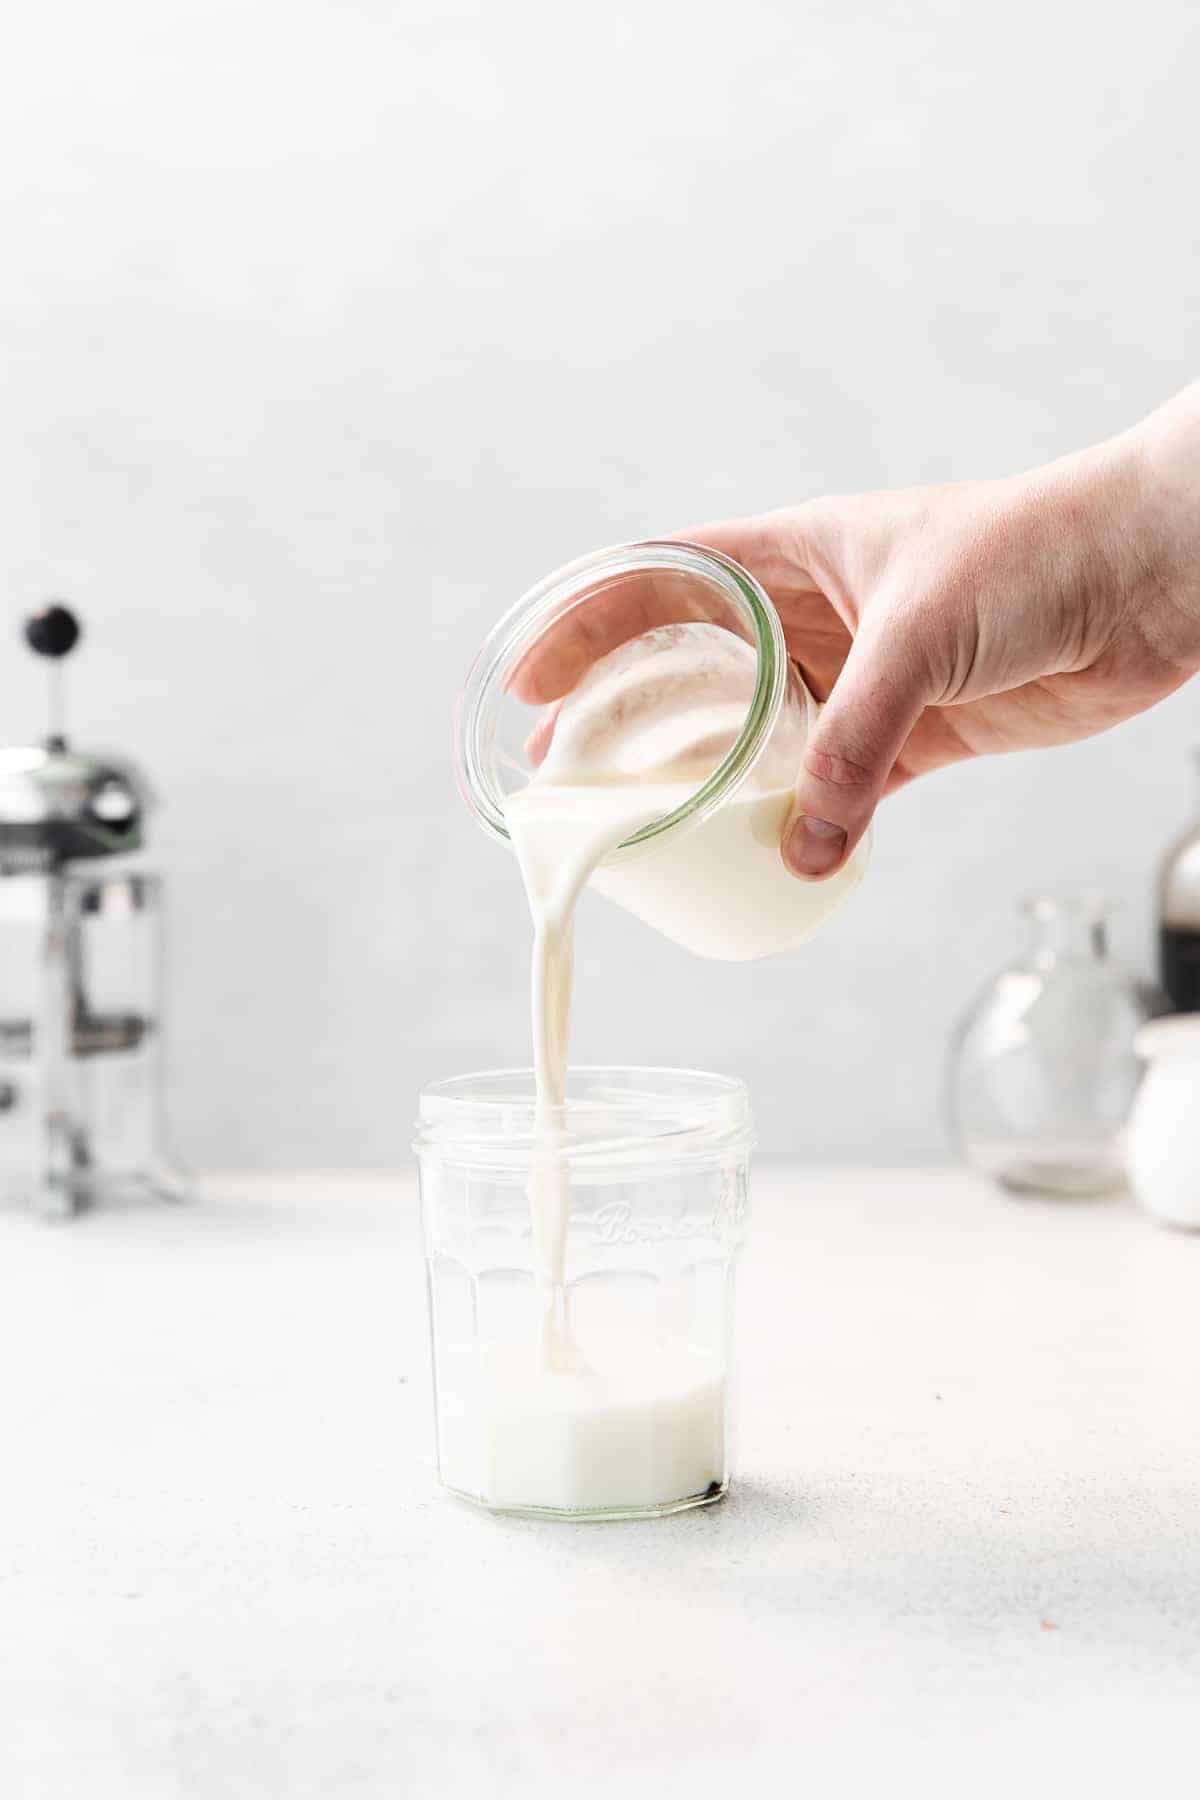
(839, 769)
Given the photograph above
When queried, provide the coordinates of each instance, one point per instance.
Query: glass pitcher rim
(515, 632)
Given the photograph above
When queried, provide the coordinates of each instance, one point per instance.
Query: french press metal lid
(58, 804)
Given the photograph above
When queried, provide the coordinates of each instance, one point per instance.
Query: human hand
(948, 622)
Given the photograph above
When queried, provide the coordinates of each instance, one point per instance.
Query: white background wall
(327, 328)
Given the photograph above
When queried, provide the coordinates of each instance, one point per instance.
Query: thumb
(877, 699)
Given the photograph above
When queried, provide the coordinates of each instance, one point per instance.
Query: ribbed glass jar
(636, 1421)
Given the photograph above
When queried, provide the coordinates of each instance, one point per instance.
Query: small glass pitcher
(1043, 1071)
(730, 822)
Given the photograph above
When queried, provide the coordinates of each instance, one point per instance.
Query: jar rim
(612, 1115)
(517, 630)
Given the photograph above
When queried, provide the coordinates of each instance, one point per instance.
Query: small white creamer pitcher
(1163, 1147)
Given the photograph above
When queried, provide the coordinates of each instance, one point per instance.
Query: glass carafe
(82, 1118)
(1043, 1071)
(1179, 920)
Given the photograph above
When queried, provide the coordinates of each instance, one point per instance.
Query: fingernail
(814, 846)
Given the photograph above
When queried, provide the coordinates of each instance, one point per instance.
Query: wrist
(1159, 461)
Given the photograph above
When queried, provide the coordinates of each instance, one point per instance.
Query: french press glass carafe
(81, 1099)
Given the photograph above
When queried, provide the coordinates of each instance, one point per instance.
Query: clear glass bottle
(1043, 1071)
(1179, 920)
(637, 1423)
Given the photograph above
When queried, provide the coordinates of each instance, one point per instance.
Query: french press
(81, 1076)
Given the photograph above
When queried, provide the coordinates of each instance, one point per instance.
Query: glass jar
(636, 1422)
(1043, 1070)
(725, 824)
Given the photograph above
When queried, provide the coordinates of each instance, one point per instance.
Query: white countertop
(962, 1553)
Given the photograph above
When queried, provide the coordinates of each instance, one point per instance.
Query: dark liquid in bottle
(1179, 960)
